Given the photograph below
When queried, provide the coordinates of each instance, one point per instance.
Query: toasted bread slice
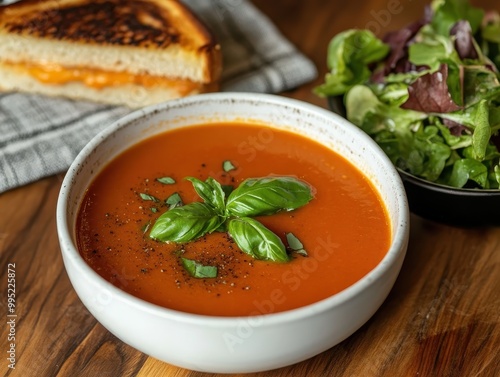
(141, 38)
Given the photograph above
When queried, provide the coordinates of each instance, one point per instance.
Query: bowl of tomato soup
(232, 232)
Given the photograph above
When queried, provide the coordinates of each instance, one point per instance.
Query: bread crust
(173, 40)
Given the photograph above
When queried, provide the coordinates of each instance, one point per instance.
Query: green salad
(428, 94)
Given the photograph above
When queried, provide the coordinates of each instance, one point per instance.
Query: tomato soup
(344, 229)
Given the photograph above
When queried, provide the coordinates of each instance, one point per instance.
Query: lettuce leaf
(449, 12)
(349, 55)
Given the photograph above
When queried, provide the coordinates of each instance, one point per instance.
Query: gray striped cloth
(40, 136)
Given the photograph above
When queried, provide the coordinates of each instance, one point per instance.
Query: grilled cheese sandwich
(154, 50)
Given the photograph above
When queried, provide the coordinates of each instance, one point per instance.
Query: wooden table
(441, 318)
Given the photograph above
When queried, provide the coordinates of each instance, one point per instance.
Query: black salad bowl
(454, 206)
(444, 204)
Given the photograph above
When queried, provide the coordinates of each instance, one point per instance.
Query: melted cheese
(95, 78)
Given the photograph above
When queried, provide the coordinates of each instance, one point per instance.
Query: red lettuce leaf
(430, 93)
(456, 129)
(399, 40)
(464, 40)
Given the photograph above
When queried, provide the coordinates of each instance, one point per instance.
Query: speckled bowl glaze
(234, 344)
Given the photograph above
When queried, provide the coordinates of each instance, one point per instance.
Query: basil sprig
(253, 197)
(211, 192)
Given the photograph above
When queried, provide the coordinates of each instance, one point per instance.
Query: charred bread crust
(211, 48)
(143, 24)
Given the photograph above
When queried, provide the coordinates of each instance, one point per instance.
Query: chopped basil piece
(174, 200)
(145, 227)
(198, 270)
(148, 197)
(180, 251)
(228, 166)
(166, 180)
(295, 245)
(154, 209)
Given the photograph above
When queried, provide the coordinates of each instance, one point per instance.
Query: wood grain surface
(441, 318)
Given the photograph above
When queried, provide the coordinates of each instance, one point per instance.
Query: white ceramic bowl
(234, 344)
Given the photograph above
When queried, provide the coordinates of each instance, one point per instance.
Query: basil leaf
(295, 244)
(228, 189)
(228, 166)
(186, 223)
(266, 196)
(148, 197)
(210, 191)
(198, 270)
(174, 201)
(256, 240)
(166, 180)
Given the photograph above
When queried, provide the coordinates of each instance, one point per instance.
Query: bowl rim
(444, 189)
(400, 232)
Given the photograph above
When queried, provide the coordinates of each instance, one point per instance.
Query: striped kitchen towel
(40, 136)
